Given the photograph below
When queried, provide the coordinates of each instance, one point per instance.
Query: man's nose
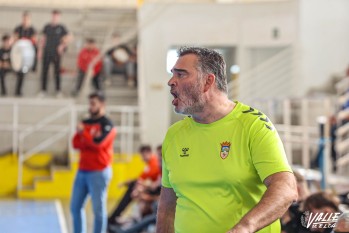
(171, 82)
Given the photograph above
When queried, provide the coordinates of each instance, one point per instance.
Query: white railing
(297, 122)
(342, 133)
(64, 109)
(273, 77)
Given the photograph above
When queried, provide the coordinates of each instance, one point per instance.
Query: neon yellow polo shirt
(217, 170)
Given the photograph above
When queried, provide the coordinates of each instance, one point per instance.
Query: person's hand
(80, 127)
(124, 183)
(60, 49)
(6, 65)
(39, 55)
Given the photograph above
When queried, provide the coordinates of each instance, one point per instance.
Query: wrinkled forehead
(186, 62)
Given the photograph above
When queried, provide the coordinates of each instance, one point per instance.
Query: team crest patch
(225, 148)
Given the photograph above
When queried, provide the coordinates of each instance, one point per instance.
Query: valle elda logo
(225, 148)
(319, 220)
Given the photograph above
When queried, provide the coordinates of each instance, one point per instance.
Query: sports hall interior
(287, 58)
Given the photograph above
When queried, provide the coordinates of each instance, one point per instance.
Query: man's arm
(281, 192)
(166, 211)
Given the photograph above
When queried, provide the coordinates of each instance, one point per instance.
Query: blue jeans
(94, 183)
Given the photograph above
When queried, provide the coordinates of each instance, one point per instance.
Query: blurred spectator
(146, 193)
(320, 153)
(150, 174)
(343, 223)
(94, 138)
(131, 68)
(115, 61)
(322, 202)
(291, 219)
(89, 54)
(54, 43)
(5, 61)
(159, 153)
(26, 31)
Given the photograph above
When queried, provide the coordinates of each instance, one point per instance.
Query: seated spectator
(89, 55)
(146, 194)
(342, 224)
(291, 218)
(150, 174)
(322, 202)
(5, 62)
(131, 68)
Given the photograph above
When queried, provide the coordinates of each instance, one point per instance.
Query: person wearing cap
(94, 139)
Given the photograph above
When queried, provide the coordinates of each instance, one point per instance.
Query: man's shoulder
(177, 127)
(251, 117)
(179, 124)
(18, 28)
(106, 121)
(103, 121)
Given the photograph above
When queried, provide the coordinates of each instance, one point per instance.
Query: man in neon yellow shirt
(224, 166)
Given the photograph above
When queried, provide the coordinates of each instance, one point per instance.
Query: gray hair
(210, 62)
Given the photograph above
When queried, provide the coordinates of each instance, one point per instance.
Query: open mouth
(175, 98)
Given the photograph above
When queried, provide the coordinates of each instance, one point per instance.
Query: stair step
(42, 178)
(28, 188)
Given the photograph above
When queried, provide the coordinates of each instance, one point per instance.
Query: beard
(192, 99)
(94, 114)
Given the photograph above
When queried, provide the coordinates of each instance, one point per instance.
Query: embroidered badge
(225, 148)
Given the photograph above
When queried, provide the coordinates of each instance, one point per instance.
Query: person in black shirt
(5, 62)
(54, 43)
(26, 31)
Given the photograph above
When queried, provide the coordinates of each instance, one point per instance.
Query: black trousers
(49, 58)
(19, 84)
(125, 201)
(95, 81)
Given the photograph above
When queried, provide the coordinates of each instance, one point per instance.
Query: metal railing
(342, 133)
(22, 132)
(273, 77)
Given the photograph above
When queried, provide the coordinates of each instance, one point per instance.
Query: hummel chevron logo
(259, 114)
(248, 111)
(266, 119)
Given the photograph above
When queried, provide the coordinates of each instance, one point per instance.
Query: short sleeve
(267, 151)
(17, 29)
(165, 179)
(165, 176)
(64, 31)
(45, 30)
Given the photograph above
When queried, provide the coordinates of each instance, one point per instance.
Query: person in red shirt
(94, 138)
(151, 173)
(89, 55)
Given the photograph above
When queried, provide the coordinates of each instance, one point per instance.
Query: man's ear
(209, 81)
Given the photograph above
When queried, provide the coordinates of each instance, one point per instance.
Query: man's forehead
(188, 61)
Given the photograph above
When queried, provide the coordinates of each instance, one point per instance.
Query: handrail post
(15, 130)
(20, 168)
(73, 116)
(305, 134)
(123, 133)
(287, 122)
(324, 150)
